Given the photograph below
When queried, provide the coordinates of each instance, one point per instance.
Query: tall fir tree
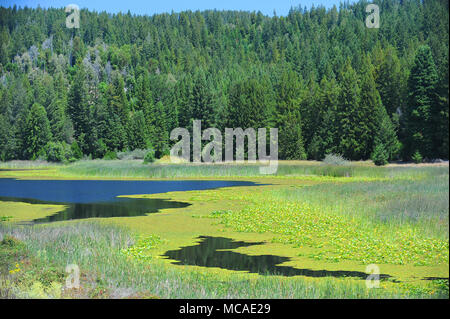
(287, 116)
(324, 140)
(202, 100)
(61, 125)
(160, 137)
(37, 131)
(369, 109)
(386, 136)
(421, 106)
(78, 109)
(348, 115)
(138, 136)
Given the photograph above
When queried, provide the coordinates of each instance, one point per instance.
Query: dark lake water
(209, 252)
(93, 198)
(98, 198)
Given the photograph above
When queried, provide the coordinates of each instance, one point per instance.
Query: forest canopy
(326, 81)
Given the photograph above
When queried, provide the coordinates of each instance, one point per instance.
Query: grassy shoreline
(111, 274)
(408, 201)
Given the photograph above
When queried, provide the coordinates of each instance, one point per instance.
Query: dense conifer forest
(326, 81)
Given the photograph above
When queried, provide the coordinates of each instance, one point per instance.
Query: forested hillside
(328, 83)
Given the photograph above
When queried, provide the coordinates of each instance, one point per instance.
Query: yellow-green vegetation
(338, 237)
(106, 272)
(21, 212)
(322, 217)
(23, 276)
(143, 247)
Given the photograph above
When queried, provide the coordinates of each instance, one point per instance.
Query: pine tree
(137, 132)
(78, 109)
(288, 118)
(4, 137)
(324, 140)
(380, 155)
(250, 105)
(369, 110)
(441, 120)
(290, 140)
(202, 100)
(386, 137)
(115, 116)
(310, 108)
(160, 138)
(185, 96)
(61, 126)
(37, 132)
(422, 102)
(348, 115)
(388, 78)
(118, 100)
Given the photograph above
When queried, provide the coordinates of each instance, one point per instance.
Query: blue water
(98, 199)
(95, 191)
(217, 252)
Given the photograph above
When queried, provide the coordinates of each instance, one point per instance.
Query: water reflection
(99, 198)
(122, 207)
(210, 252)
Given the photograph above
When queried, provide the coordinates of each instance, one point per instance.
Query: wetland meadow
(229, 150)
(223, 230)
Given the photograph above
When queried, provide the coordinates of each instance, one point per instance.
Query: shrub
(417, 157)
(110, 155)
(76, 150)
(149, 157)
(380, 155)
(100, 149)
(56, 152)
(10, 241)
(335, 159)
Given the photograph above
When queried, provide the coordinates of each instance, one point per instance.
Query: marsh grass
(135, 169)
(395, 221)
(17, 164)
(398, 199)
(107, 272)
(423, 203)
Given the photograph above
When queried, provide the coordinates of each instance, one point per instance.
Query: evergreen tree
(37, 131)
(231, 69)
(380, 155)
(348, 115)
(441, 120)
(250, 105)
(60, 124)
(369, 120)
(138, 137)
(386, 137)
(115, 116)
(160, 138)
(78, 109)
(202, 100)
(288, 118)
(422, 87)
(310, 108)
(389, 78)
(324, 140)
(4, 138)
